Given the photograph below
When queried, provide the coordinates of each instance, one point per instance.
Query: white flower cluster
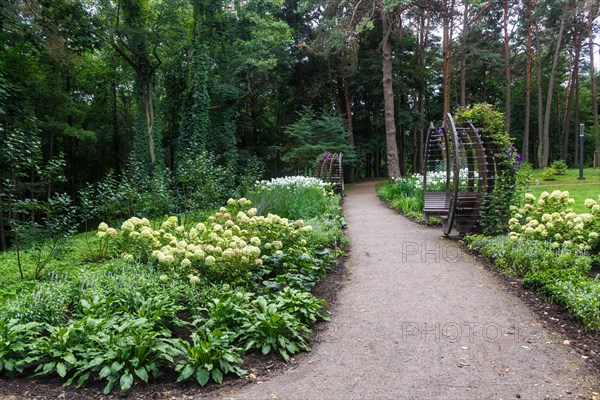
(293, 182)
(550, 218)
(436, 180)
(233, 241)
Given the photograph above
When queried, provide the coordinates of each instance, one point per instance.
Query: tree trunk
(540, 101)
(146, 89)
(578, 38)
(423, 40)
(591, 17)
(393, 165)
(463, 55)
(447, 10)
(507, 69)
(115, 130)
(546, 132)
(349, 170)
(525, 149)
(564, 152)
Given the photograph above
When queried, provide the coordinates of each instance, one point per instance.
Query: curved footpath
(419, 319)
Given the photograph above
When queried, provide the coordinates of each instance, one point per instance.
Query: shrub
(548, 173)
(520, 257)
(559, 167)
(551, 218)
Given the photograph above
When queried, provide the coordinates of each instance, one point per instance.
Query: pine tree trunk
(540, 99)
(146, 89)
(423, 40)
(591, 16)
(546, 132)
(525, 149)
(463, 55)
(507, 69)
(115, 128)
(349, 170)
(447, 9)
(577, 37)
(393, 164)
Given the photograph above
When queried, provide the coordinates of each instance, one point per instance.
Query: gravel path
(419, 319)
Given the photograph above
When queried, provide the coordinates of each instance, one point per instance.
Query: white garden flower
(185, 263)
(210, 260)
(529, 197)
(112, 232)
(103, 227)
(127, 226)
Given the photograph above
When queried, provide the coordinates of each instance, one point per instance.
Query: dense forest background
(191, 100)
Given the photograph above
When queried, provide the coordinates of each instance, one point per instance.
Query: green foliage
(495, 211)
(548, 173)
(486, 117)
(578, 293)
(520, 257)
(124, 321)
(524, 178)
(404, 195)
(311, 135)
(272, 328)
(294, 198)
(210, 355)
(16, 340)
(47, 239)
(559, 273)
(551, 218)
(559, 166)
(302, 305)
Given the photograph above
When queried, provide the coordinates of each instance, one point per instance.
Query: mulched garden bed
(259, 367)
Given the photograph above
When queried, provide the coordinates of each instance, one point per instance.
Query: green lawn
(76, 255)
(589, 188)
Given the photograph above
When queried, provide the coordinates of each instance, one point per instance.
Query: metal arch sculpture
(330, 168)
(460, 174)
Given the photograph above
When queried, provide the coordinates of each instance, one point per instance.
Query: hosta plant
(210, 355)
(274, 329)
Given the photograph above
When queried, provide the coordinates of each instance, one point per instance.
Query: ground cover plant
(554, 249)
(163, 297)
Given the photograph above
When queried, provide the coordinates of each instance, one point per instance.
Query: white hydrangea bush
(551, 218)
(230, 245)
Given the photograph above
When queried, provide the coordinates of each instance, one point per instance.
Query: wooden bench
(436, 203)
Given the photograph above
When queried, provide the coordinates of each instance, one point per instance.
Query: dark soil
(259, 367)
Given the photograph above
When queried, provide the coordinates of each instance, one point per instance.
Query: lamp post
(581, 152)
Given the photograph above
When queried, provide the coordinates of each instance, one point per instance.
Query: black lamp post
(581, 152)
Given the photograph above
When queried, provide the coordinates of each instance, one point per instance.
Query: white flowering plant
(294, 182)
(551, 218)
(233, 245)
(295, 197)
